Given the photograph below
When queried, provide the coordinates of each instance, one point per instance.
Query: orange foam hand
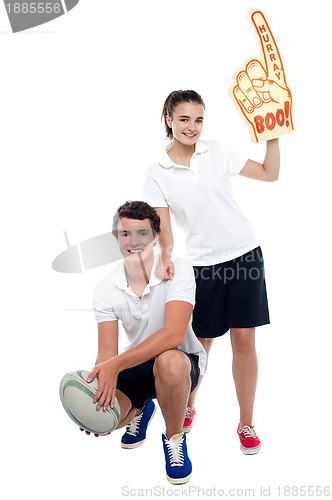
(261, 91)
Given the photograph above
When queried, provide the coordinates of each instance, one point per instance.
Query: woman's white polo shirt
(201, 200)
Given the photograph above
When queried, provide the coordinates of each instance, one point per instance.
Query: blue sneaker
(136, 431)
(178, 464)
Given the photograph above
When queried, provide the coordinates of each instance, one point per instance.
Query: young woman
(191, 180)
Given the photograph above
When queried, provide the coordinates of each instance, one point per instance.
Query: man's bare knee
(172, 365)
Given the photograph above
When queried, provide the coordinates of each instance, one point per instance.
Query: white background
(81, 99)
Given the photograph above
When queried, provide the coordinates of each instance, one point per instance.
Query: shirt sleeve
(102, 307)
(235, 160)
(182, 286)
(152, 193)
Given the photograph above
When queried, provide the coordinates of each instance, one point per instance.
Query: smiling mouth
(136, 250)
(189, 135)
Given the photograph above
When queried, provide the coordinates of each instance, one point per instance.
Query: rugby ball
(77, 395)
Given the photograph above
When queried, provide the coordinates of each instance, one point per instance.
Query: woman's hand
(165, 269)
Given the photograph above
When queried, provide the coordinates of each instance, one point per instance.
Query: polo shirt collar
(121, 279)
(165, 160)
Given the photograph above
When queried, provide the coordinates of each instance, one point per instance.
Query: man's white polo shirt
(114, 300)
(201, 200)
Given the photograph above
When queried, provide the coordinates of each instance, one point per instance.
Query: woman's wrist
(166, 254)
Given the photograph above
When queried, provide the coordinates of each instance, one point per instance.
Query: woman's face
(187, 122)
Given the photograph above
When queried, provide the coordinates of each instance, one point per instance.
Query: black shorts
(137, 383)
(230, 295)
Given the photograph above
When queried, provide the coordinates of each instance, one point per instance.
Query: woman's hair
(173, 100)
(136, 210)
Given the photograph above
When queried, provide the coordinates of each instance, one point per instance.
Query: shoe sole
(189, 427)
(178, 480)
(130, 446)
(250, 451)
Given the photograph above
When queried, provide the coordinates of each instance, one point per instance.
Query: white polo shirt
(201, 200)
(114, 300)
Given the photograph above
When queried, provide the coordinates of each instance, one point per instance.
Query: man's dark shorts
(137, 383)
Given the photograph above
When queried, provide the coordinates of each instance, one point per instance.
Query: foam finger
(255, 70)
(243, 100)
(269, 47)
(246, 87)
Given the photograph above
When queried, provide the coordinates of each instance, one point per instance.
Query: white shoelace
(248, 431)
(174, 448)
(188, 412)
(132, 428)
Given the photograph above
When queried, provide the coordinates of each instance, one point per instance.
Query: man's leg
(173, 383)
(127, 410)
(245, 371)
(172, 380)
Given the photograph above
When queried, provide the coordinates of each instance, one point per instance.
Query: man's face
(135, 238)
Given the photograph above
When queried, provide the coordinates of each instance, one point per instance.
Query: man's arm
(268, 170)
(108, 336)
(176, 318)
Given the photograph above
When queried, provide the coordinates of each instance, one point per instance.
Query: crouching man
(163, 359)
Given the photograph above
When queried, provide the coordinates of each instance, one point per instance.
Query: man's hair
(136, 210)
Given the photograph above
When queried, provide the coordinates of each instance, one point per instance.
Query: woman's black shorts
(230, 295)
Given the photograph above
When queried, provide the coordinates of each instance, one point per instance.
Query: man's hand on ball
(107, 374)
(96, 435)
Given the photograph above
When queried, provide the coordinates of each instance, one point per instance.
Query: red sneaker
(250, 443)
(189, 419)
